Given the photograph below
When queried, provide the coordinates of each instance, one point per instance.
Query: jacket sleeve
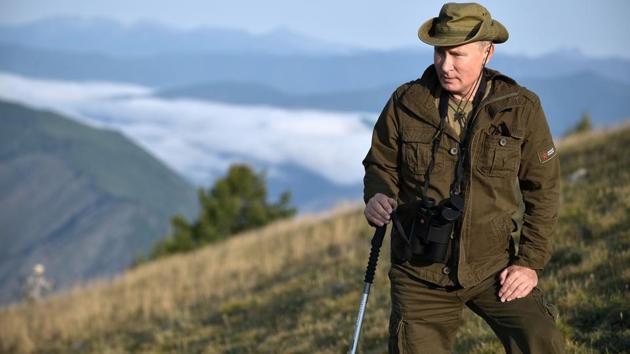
(382, 160)
(539, 181)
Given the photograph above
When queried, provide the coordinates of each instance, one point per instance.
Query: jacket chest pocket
(499, 155)
(416, 151)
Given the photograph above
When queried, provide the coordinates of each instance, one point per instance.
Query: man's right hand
(378, 209)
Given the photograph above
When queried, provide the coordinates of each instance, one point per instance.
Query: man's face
(458, 67)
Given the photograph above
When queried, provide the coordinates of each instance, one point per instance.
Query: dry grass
(172, 289)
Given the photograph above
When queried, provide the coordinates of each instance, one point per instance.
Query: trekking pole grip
(377, 242)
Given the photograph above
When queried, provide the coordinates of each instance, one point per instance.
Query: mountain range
(285, 69)
(111, 37)
(297, 74)
(564, 98)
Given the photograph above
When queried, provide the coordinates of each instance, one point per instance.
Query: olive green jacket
(511, 147)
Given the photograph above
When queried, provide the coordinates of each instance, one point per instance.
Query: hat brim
(488, 31)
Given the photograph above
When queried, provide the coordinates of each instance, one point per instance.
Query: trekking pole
(377, 241)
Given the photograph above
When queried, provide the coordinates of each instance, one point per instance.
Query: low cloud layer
(199, 139)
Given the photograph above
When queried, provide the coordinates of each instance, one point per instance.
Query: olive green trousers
(425, 317)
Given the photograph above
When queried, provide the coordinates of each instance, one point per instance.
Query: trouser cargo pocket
(545, 306)
(396, 334)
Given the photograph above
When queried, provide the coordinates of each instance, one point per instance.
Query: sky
(596, 28)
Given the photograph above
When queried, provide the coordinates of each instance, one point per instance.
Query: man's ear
(489, 52)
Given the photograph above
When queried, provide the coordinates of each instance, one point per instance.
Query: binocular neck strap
(435, 145)
(463, 145)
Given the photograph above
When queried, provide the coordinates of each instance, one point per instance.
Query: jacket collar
(420, 96)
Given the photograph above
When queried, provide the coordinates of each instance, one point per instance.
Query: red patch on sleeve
(547, 154)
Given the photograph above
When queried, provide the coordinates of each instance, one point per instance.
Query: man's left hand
(516, 282)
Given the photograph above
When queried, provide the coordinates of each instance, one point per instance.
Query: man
(37, 285)
(455, 154)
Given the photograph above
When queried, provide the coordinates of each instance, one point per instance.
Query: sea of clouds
(200, 139)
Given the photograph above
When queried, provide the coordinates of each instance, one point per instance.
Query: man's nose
(446, 63)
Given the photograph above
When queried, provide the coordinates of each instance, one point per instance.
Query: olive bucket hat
(460, 24)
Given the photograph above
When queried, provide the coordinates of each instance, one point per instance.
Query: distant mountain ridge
(564, 98)
(80, 200)
(297, 74)
(111, 37)
(244, 93)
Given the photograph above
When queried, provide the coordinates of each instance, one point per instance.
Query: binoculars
(433, 226)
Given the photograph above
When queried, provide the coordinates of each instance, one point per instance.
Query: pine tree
(585, 124)
(236, 202)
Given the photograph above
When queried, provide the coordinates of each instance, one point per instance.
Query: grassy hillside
(293, 287)
(66, 186)
(113, 163)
